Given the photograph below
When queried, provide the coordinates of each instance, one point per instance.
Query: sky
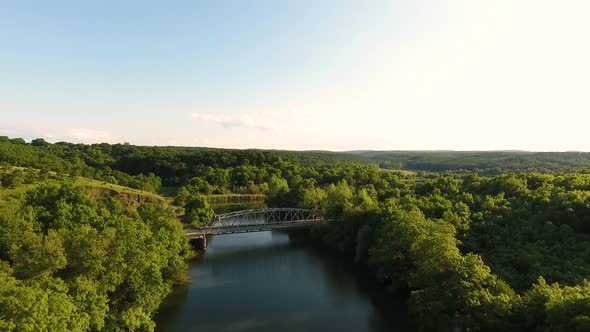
(300, 74)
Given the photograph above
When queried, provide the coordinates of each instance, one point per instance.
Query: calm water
(275, 281)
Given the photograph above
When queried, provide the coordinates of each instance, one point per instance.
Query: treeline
(209, 171)
(62, 159)
(220, 171)
(177, 165)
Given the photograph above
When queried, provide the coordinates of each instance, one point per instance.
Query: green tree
(339, 198)
(313, 198)
(198, 212)
(277, 186)
(13, 179)
(39, 142)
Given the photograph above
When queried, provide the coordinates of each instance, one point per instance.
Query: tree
(13, 179)
(550, 307)
(198, 212)
(39, 142)
(200, 185)
(339, 198)
(277, 186)
(313, 198)
(182, 196)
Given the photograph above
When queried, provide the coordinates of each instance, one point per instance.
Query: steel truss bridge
(257, 220)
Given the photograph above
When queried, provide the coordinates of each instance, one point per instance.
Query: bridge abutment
(199, 243)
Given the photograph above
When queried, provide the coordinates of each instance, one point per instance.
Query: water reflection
(273, 281)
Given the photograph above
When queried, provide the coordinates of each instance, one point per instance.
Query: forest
(487, 163)
(475, 241)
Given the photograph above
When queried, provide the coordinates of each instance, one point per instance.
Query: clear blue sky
(296, 74)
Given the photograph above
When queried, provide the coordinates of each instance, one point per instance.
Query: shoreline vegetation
(235, 199)
(86, 243)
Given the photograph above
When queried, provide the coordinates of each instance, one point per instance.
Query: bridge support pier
(198, 243)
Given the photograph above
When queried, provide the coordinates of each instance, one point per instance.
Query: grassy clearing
(79, 181)
(10, 194)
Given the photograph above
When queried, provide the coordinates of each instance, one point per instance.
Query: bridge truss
(259, 220)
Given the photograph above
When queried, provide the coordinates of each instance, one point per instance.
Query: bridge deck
(199, 232)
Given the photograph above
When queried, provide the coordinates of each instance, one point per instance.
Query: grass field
(9, 194)
(79, 181)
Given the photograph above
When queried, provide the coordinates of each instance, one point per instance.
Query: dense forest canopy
(489, 163)
(71, 263)
(474, 247)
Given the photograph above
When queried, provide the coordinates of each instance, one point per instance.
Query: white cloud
(89, 135)
(253, 120)
(79, 135)
(303, 127)
(74, 135)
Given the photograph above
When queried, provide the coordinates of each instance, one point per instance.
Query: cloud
(75, 135)
(264, 121)
(295, 127)
(78, 135)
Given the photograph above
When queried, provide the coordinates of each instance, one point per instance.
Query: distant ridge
(484, 162)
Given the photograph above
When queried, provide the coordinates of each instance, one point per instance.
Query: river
(277, 281)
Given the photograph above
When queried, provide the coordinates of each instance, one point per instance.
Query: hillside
(484, 162)
(16, 181)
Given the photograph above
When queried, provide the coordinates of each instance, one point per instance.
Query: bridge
(254, 220)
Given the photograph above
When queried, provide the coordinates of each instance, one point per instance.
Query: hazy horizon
(28, 140)
(339, 76)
